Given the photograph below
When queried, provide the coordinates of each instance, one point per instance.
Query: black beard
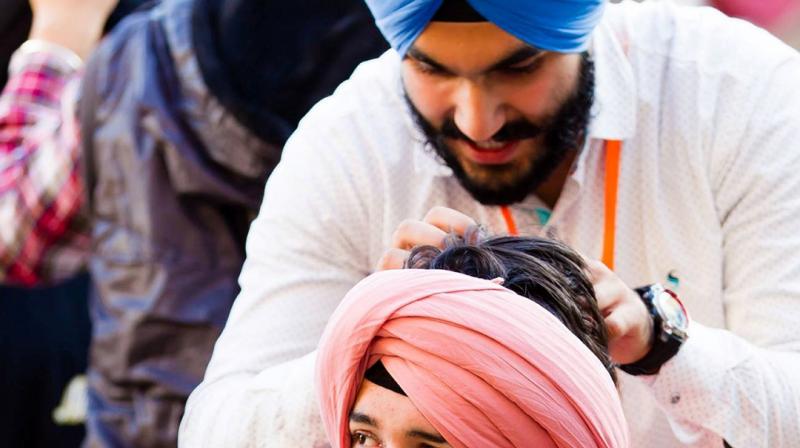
(562, 134)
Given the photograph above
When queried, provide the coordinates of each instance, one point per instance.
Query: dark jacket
(174, 175)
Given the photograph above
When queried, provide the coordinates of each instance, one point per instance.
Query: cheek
(532, 100)
(429, 96)
(542, 94)
(536, 99)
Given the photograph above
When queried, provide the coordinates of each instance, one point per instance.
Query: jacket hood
(268, 62)
(225, 140)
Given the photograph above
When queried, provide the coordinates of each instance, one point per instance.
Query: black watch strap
(663, 348)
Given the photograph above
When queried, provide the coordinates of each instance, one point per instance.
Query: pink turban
(486, 367)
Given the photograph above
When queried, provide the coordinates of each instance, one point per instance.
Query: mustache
(511, 131)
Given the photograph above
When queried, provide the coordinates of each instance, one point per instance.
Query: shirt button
(675, 399)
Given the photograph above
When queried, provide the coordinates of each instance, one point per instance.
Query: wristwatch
(670, 323)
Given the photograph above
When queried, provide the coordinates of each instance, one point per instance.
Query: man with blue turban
(659, 141)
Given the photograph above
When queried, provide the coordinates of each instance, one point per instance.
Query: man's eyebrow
(517, 56)
(428, 437)
(424, 58)
(520, 55)
(357, 417)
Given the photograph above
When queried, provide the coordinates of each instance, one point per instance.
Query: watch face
(672, 311)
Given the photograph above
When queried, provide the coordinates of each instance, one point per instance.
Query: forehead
(381, 404)
(392, 412)
(466, 42)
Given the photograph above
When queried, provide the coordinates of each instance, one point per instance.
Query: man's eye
(428, 69)
(364, 440)
(527, 66)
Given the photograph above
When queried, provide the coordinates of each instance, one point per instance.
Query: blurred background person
(185, 109)
(44, 332)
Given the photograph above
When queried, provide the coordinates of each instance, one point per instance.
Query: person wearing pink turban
(481, 365)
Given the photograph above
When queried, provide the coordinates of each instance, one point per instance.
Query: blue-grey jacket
(174, 175)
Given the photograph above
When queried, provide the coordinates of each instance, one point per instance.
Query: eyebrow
(358, 417)
(434, 438)
(516, 56)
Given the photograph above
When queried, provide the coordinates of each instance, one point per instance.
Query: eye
(524, 67)
(363, 439)
(428, 69)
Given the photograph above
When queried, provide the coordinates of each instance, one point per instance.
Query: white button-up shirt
(708, 110)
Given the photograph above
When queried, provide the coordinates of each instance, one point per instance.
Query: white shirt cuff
(66, 58)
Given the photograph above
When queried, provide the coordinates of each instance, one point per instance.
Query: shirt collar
(614, 109)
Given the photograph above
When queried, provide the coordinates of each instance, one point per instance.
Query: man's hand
(74, 24)
(437, 224)
(629, 325)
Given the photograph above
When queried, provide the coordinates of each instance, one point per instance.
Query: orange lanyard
(613, 148)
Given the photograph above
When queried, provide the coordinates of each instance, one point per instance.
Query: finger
(616, 328)
(630, 332)
(392, 259)
(410, 234)
(597, 270)
(608, 294)
(617, 325)
(449, 220)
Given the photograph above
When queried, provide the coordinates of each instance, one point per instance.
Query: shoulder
(125, 50)
(133, 26)
(710, 41)
(696, 69)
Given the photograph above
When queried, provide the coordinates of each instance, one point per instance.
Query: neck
(550, 190)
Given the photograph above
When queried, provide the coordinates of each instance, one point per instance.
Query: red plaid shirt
(43, 233)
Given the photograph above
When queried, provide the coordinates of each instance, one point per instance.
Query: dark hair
(543, 270)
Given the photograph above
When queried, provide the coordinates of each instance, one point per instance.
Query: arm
(40, 190)
(75, 25)
(306, 249)
(742, 383)
(42, 233)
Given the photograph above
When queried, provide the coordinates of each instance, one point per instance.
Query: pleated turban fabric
(563, 26)
(486, 367)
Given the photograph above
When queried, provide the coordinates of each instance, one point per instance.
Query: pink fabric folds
(486, 367)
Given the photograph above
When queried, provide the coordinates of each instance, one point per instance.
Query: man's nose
(477, 113)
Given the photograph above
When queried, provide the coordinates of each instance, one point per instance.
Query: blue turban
(563, 26)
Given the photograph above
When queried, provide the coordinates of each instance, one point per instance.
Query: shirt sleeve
(42, 229)
(276, 407)
(741, 384)
(302, 258)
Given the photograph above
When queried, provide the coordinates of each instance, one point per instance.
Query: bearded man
(658, 139)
